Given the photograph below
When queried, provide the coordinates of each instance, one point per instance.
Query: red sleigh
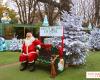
(51, 47)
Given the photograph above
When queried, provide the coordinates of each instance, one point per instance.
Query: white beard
(29, 41)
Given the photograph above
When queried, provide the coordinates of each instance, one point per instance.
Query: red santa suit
(29, 50)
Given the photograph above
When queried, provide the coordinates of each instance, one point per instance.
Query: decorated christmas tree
(94, 39)
(2, 44)
(45, 21)
(74, 37)
(14, 44)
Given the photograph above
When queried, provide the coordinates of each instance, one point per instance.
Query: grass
(8, 57)
(71, 73)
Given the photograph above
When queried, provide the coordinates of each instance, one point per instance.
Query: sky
(4, 1)
(11, 5)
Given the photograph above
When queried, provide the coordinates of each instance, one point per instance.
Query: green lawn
(8, 57)
(71, 73)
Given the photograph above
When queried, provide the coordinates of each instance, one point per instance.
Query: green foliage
(37, 28)
(54, 50)
(8, 57)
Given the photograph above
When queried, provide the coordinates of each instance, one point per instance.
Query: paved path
(9, 65)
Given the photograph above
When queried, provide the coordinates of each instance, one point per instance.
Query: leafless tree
(62, 4)
(26, 10)
(51, 12)
(86, 9)
(97, 10)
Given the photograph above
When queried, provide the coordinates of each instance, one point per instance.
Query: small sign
(93, 74)
(51, 31)
(52, 40)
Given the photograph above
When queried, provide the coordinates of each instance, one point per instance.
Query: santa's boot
(31, 66)
(23, 66)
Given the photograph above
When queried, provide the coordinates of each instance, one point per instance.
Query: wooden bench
(48, 57)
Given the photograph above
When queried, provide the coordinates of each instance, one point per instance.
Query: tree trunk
(97, 11)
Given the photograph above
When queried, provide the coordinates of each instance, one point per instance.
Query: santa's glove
(25, 54)
(38, 47)
(37, 52)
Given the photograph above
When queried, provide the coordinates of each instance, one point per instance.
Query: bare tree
(97, 10)
(86, 9)
(52, 9)
(62, 4)
(65, 5)
(49, 10)
(26, 10)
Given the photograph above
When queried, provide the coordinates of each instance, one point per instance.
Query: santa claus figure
(30, 51)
